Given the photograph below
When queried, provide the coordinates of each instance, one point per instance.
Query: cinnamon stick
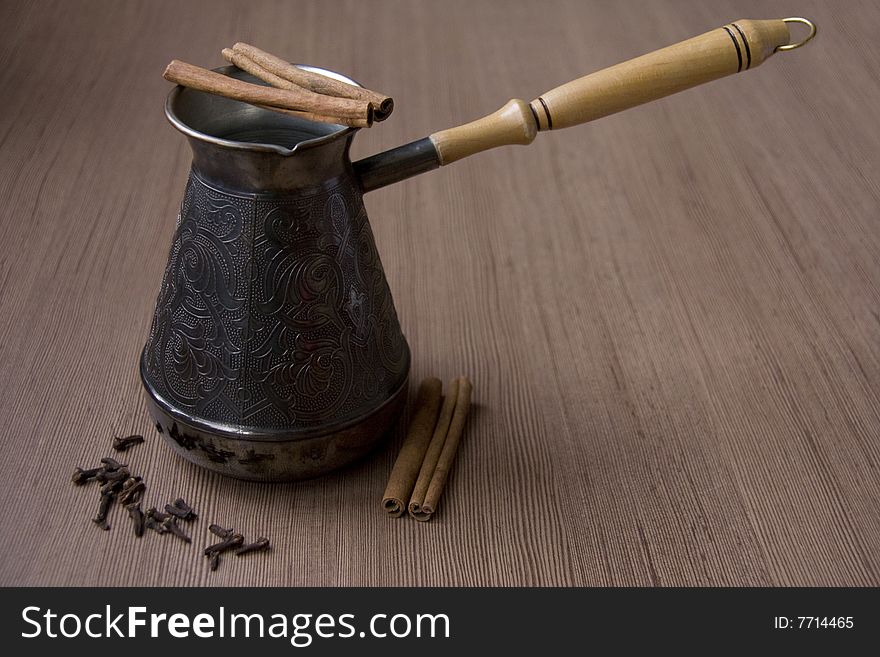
(409, 461)
(432, 456)
(340, 120)
(246, 64)
(447, 455)
(382, 105)
(301, 100)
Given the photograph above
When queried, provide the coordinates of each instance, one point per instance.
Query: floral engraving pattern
(196, 343)
(274, 312)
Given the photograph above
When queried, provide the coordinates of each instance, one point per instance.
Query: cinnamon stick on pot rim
(201, 79)
(382, 105)
(447, 456)
(321, 118)
(245, 63)
(248, 65)
(429, 464)
(412, 453)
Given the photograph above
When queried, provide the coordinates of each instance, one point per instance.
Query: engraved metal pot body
(275, 351)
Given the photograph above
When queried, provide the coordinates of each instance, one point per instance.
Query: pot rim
(189, 131)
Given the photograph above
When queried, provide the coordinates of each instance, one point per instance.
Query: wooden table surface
(671, 316)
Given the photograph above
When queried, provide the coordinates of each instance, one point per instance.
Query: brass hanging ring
(804, 21)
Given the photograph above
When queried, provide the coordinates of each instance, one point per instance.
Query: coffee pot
(275, 350)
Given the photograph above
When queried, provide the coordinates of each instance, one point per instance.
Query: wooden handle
(512, 124)
(736, 47)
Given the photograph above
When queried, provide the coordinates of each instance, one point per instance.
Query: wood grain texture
(671, 316)
(669, 70)
(511, 124)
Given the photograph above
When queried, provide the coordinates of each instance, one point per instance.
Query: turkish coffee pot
(275, 351)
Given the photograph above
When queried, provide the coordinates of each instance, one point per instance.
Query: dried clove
(137, 517)
(214, 551)
(183, 506)
(172, 526)
(103, 510)
(177, 513)
(234, 541)
(131, 493)
(262, 543)
(122, 444)
(181, 509)
(81, 476)
(111, 487)
(113, 475)
(157, 515)
(111, 464)
(221, 532)
(155, 520)
(151, 523)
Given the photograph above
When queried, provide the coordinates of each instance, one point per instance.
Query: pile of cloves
(119, 485)
(164, 523)
(231, 540)
(117, 482)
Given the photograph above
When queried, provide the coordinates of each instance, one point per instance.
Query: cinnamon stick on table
(409, 461)
(429, 464)
(382, 105)
(297, 99)
(444, 463)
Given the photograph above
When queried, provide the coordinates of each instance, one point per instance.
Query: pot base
(270, 457)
